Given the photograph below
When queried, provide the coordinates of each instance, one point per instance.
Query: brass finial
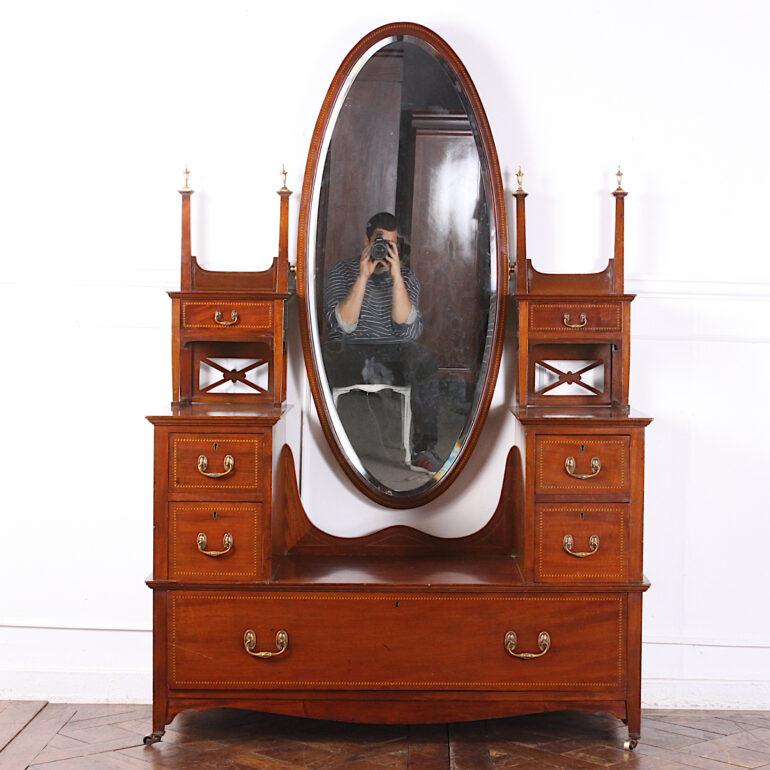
(284, 188)
(186, 187)
(619, 175)
(520, 178)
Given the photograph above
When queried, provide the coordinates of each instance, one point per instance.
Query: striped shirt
(375, 324)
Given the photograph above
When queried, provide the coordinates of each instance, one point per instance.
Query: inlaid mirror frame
(306, 292)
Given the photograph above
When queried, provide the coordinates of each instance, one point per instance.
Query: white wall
(102, 105)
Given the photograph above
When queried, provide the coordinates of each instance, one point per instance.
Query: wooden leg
(159, 684)
(634, 693)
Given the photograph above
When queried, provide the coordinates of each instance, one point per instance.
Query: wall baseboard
(705, 694)
(77, 686)
(120, 686)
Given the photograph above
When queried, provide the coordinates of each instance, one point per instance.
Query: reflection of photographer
(372, 307)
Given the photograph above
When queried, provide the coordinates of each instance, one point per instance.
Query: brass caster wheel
(148, 740)
(630, 744)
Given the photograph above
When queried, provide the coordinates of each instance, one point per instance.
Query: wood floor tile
(109, 737)
(99, 710)
(468, 747)
(682, 757)
(115, 717)
(15, 715)
(427, 747)
(734, 755)
(35, 736)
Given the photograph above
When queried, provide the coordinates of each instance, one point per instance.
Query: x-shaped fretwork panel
(570, 373)
(233, 375)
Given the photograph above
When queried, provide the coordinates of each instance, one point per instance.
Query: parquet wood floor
(57, 736)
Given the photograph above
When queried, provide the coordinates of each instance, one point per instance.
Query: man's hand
(393, 262)
(349, 309)
(366, 265)
(402, 305)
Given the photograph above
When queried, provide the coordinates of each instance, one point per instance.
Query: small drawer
(577, 542)
(582, 465)
(574, 317)
(216, 314)
(388, 641)
(215, 462)
(219, 541)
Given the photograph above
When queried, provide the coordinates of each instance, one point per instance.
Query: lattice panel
(564, 373)
(569, 378)
(233, 375)
(223, 371)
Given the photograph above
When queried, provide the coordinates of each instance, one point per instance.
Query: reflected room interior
(404, 143)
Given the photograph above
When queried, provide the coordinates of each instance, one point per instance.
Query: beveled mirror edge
(304, 293)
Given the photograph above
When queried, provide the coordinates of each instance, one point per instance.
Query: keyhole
(216, 446)
(396, 604)
(582, 515)
(214, 514)
(582, 447)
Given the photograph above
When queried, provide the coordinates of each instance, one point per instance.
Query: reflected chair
(405, 391)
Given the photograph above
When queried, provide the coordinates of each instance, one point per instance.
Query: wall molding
(643, 284)
(687, 287)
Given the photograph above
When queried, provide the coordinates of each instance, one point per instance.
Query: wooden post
(521, 237)
(282, 272)
(186, 193)
(618, 266)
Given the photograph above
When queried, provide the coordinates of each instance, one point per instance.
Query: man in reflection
(372, 309)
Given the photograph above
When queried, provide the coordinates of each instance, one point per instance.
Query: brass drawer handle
(593, 544)
(233, 318)
(543, 642)
(203, 463)
(583, 321)
(250, 644)
(227, 544)
(596, 466)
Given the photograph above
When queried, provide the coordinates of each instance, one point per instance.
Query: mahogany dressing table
(539, 610)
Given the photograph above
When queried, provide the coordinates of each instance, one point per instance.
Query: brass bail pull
(233, 318)
(543, 643)
(593, 545)
(203, 464)
(570, 465)
(227, 544)
(582, 321)
(250, 644)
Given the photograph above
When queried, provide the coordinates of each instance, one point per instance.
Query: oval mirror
(402, 265)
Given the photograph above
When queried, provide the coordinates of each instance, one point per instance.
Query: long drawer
(388, 641)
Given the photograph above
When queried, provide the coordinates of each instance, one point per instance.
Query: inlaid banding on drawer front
(608, 522)
(223, 314)
(582, 465)
(445, 642)
(240, 471)
(240, 520)
(576, 318)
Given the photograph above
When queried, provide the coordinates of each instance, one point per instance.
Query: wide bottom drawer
(396, 641)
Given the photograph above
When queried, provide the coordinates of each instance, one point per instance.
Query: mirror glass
(402, 267)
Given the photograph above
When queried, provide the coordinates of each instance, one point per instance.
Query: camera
(379, 248)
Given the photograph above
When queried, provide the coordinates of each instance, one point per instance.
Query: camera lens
(379, 248)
